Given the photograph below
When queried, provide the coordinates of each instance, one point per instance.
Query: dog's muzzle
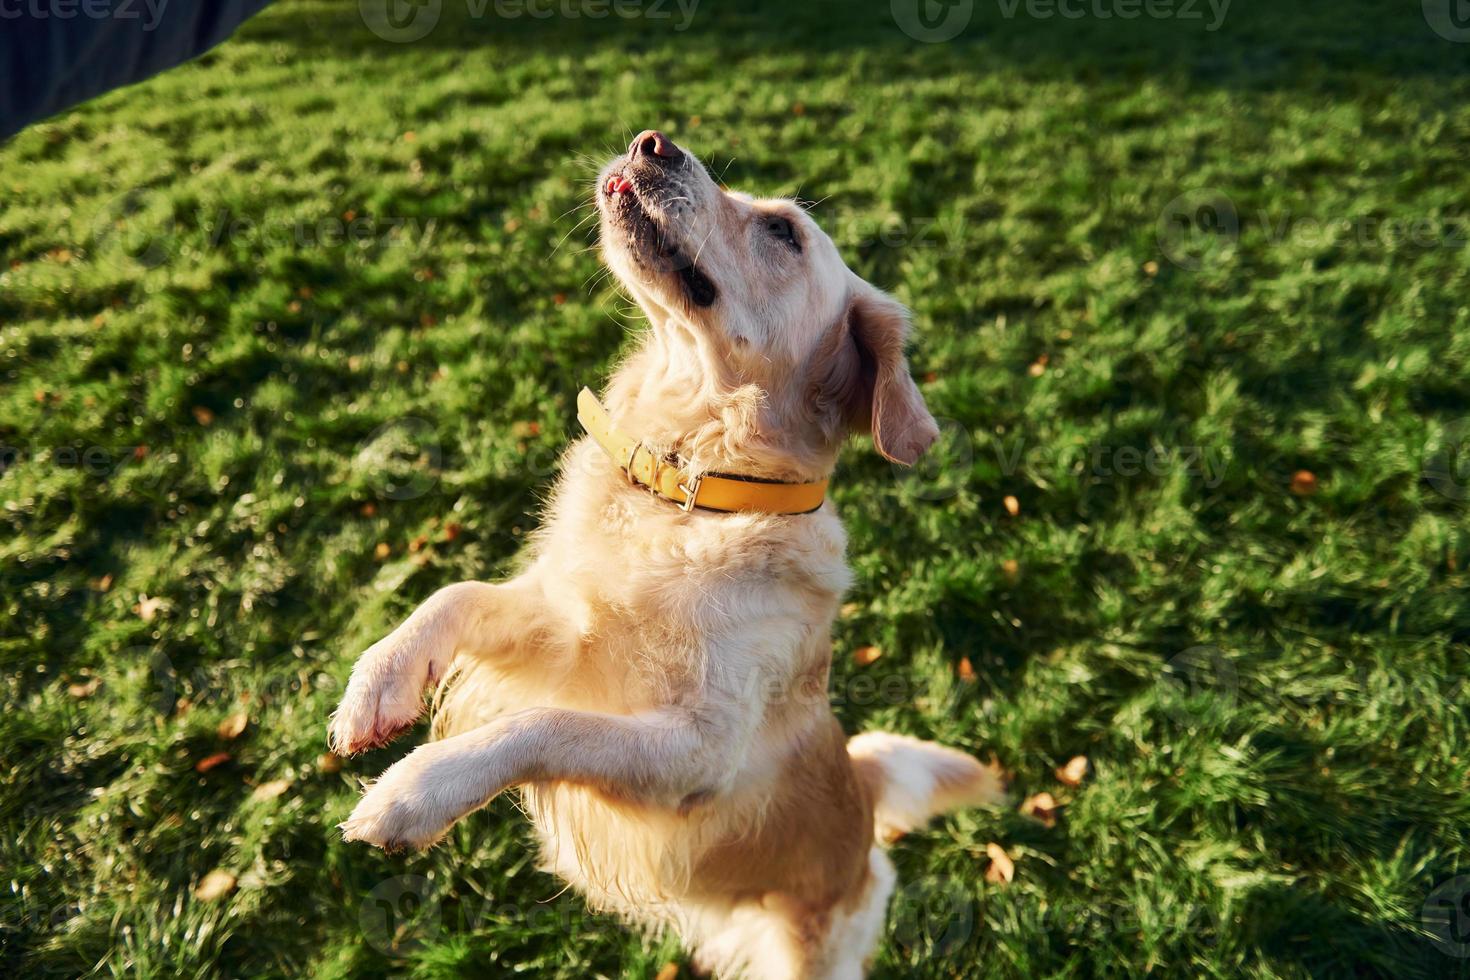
(646, 199)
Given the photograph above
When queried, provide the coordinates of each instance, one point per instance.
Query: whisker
(698, 251)
(570, 233)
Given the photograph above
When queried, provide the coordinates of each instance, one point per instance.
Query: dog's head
(762, 295)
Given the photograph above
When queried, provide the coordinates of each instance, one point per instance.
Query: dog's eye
(781, 228)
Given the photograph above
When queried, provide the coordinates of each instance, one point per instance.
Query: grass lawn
(290, 337)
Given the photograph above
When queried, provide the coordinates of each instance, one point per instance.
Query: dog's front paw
(398, 812)
(384, 697)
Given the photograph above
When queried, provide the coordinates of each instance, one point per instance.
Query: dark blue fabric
(57, 53)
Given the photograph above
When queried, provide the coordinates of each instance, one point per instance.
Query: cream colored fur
(655, 682)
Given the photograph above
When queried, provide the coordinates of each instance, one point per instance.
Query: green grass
(1280, 802)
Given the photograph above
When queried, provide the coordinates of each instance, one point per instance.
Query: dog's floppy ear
(886, 400)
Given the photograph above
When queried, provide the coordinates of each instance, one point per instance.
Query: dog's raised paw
(390, 823)
(355, 729)
(380, 704)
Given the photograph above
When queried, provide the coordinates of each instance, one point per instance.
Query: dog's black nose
(655, 146)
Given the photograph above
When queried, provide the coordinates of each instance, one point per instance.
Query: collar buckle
(690, 492)
(628, 463)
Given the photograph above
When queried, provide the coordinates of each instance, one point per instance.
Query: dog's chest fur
(671, 607)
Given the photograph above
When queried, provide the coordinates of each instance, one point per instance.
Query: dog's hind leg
(778, 937)
(748, 940)
(853, 936)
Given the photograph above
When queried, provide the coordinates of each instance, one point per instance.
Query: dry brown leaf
(271, 790)
(215, 885)
(966, 670)
(1011, 568)
(233, 726)
(203, 415)
(1002, 869)
(417, 544)
(85, 689)
(451, 531)
(1073, 772)
(1304, 483)
(147, 608)
(1012, 505)
(667, 972)
(329, 762)
(211, 761)
(1041, 807)
(863, 656)
(104, 583)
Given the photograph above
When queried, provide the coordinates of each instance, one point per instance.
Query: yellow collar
(711, 491)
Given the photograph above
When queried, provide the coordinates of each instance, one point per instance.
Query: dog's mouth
(630, 198)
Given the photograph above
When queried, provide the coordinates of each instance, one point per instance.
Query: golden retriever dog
(655, 680)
